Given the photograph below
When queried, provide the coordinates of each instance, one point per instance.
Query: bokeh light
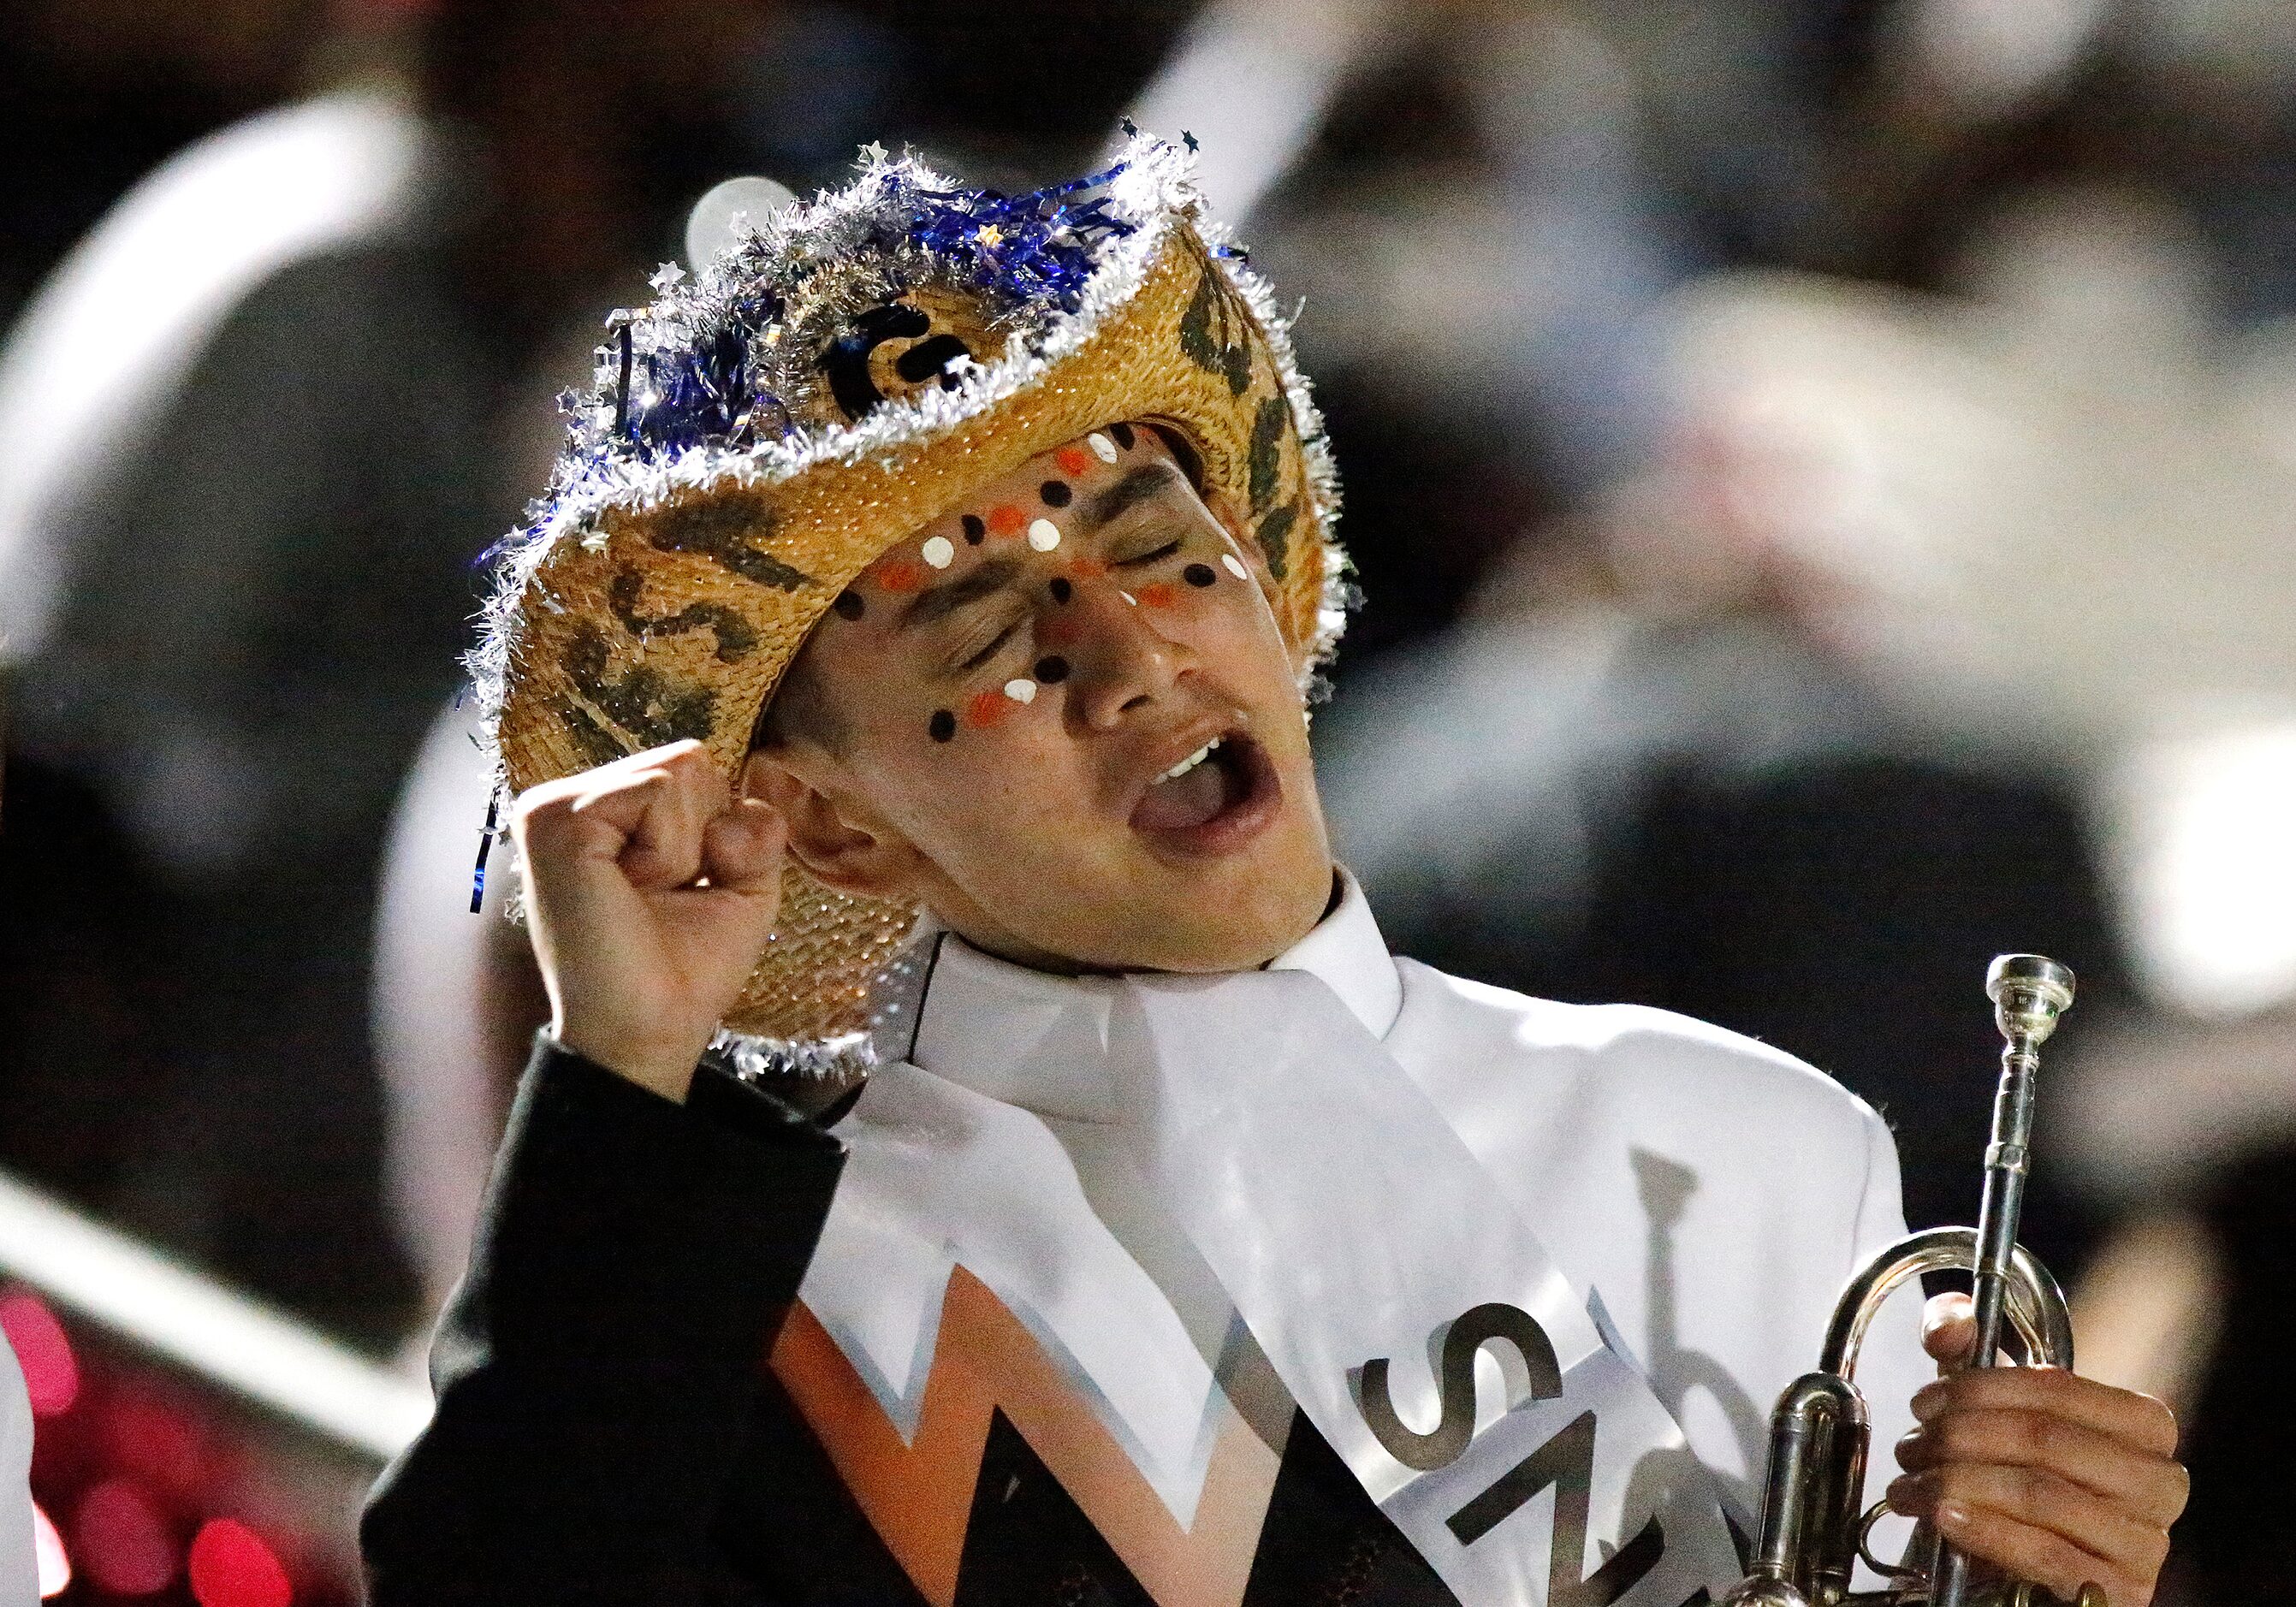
(159, 1441)
(121, 1540)
(51, 1375)
(232, 1567)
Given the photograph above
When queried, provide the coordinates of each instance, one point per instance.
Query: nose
(1121, 663)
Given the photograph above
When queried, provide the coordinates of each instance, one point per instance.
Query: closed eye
(1161, 552)
(990, 651)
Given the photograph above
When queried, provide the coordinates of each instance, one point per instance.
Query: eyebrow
(1138, 485)
(940, 601)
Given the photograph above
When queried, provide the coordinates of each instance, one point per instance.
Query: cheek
(1209, 601)
(1231, 623)
(897, 575)
(987, 710)
(962, 741)
(996, 798)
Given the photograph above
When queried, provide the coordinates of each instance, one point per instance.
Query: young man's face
(1003, 720)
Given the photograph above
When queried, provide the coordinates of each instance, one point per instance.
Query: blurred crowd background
(1821, 474)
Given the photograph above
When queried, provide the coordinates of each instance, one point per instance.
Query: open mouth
(1212, 800)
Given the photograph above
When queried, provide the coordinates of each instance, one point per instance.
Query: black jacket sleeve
(597, 1369)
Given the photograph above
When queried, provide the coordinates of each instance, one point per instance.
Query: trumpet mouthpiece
(2028, 993)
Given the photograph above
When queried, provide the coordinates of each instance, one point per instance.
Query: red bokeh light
(51, 1375)
(232, 1567)
(157, 1440)
(122, 1543)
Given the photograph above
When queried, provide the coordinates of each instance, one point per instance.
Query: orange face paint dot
(1005, 519)
(1087, 568)
(983, 710)
(1076, 460)
(1156, 594)
(898, 575)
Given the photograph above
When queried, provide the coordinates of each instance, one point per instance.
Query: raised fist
(650, 888)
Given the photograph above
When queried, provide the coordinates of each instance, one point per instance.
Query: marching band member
(909, 669)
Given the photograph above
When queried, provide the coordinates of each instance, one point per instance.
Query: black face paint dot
(1062, 590)
(1055, 493)
(848, 605)
(1199, 574)
(942, 726)
(973, 529)
(1052, 669)
(1123, 434)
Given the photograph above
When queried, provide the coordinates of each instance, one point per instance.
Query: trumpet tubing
(1812, 1533)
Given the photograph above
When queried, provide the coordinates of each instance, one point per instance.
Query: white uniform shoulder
(1657, 1052)
(1715, 1190)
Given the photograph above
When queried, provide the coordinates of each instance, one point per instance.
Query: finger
(2039, 1528)
(637, 823)
(2150, 1487)
(668, 843)
(566, 843)
(610, 796)
(2139, 1420)
(2090, 1523)
(741, 848)
(1948, 1330)
(666, 810)
(2049, 1560)
(720, 928)
(565, 789)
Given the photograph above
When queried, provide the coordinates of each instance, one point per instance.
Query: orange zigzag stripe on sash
(919, 1495)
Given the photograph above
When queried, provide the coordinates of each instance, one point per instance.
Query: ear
(841, 843)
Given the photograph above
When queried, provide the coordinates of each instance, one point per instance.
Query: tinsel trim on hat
(897, 994)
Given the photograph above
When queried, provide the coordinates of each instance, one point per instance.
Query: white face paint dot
(1128, 597)
(940, 552)
(1021, 690)
(1101, 446)
(1044, 534)
(1234, 566)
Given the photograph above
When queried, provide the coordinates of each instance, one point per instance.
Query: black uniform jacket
(607, 1431)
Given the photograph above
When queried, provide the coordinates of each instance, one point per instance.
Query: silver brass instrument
(1812, 1532)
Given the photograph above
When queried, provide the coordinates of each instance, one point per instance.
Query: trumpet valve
(1762, 1591)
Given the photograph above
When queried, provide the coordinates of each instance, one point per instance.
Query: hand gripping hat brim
(849, 372)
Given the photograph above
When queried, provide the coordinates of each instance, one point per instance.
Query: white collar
(1039, 1041)
(1347, 954)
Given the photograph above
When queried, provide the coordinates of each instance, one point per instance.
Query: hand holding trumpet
(2053, 1477)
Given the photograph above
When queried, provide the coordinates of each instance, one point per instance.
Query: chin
(1235, 914)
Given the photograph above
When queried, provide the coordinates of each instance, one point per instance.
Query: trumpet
(1812, 1532)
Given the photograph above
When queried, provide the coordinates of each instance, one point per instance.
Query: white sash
(1374, 1260)
(1405, 1304)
